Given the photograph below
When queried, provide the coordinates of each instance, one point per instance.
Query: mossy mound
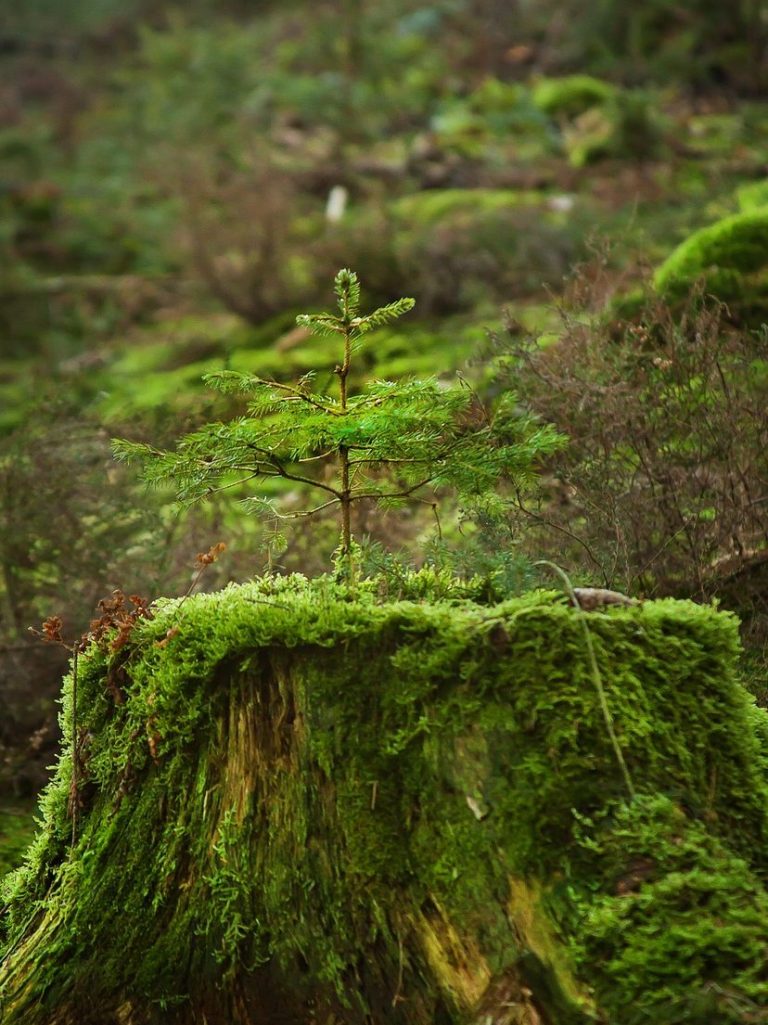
(728, 257)
(572, 95)
(302, 803)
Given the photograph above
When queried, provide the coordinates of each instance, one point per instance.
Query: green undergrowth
(429, 207)
(17, 828)
(164, 369)
(292, 772)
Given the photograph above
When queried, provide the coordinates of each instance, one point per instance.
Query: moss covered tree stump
(297, 806)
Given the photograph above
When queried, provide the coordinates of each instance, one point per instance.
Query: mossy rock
(159, 374)
(397, 803)
(572, 95)
(727, 257)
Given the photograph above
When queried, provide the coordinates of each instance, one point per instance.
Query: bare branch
(234, 484)
(563, 530)
(305, 512)
(397, 494)
(303, 480)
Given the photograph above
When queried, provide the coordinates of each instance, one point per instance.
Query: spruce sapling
(391, 443)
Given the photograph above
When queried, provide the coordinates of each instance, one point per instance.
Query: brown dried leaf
(206, 558)
(170, 634)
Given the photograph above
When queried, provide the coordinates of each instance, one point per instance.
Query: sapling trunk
(345, 501)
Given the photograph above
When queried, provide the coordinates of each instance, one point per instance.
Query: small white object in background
(337, 204)
(561, 204)
(478, 808)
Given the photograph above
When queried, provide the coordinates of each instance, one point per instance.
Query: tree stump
(298, 806)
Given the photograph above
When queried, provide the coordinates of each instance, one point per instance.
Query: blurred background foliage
(566, 189)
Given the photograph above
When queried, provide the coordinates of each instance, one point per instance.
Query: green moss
(629, 304)
(480, 124)
(425, 208)
(164, 366)
(158, 375)
(571, 95)
(677, 930)
(752, 196)
(723, 255)
(625, 127)
(302, 774)
(590, 138)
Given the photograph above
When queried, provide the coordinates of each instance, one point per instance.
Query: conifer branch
(298, 393)
(321, 455)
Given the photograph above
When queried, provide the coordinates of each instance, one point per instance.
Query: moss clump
(725, 256)
(678, 931)
(625, 128)
(572, 95)
(400, 810)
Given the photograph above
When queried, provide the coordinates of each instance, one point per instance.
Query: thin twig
(75, 753)
(399, 494)
(234, 484)
(306, 512)
(595, 671)
(568, 533)
(437, 521)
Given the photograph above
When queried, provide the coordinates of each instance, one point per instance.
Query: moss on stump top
(298, 802)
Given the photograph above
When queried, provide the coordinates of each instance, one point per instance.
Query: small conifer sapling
(391, 443)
